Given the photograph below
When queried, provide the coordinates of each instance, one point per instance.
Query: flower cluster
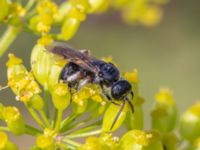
(43, 17)
(89, 114)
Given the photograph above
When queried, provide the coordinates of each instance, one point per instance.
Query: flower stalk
(7, 38)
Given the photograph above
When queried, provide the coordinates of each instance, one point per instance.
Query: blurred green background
(167, 55)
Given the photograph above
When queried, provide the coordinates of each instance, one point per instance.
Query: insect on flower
(83, 69)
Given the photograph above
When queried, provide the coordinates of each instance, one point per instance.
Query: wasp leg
(84, 82)
(118, 114)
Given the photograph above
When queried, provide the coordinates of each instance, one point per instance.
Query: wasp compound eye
(120, 89)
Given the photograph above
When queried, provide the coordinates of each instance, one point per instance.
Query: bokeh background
(167, 55)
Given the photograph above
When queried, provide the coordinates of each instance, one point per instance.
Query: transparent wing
(72, 55)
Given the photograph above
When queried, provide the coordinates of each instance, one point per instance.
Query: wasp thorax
(109, 73)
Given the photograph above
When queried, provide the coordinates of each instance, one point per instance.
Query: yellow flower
(3, 140)
(45, 40)
(41, 27)
(20, 10)
(43, 141)
(47, 6)
(61, 96)
(61, 89)
(46, 140)
(13, 61)
(195, 109)
(137, 139)
(132, 76)
(165, 96)
(82, 5)
(151, 16)
(77, 14)
(87, 92)
(11, 114)
(92, 143)
(21, 82)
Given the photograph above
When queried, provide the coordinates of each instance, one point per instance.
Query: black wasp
(83, 69)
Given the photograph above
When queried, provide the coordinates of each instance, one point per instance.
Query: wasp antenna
(130, 104)
(3, 87)
(117, 116)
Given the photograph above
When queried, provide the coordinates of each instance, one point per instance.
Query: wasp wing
(72, 55)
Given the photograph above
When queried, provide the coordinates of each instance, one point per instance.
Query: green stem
(73, 143)
(80, 135)
(32, 131)
(58, 120)
(68, 121)
(7, 38)
(42, 114)
(54, 117)
(35, 116)
(29, 4)
(46, 103)
(4, 129)
(79, 128)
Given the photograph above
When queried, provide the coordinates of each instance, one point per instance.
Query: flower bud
(10, 146)
(108, 142)
(90, 91)
(164, 113)
(132, 76)
(4, 9)
(41, 64)
(151, 16)
(69, 28)
(98, 6)
(190, 123)
(36, 102)
(4, 140)
(14, 120)
(1, 111)
(46, 140)
(170, 141)
(135, 120)
(110, 116)
(61, 96)
(140, 140)
(82, 5)
(80, 108)
(20, 80)
(46, 68)
(92, 143)
(15, 66)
